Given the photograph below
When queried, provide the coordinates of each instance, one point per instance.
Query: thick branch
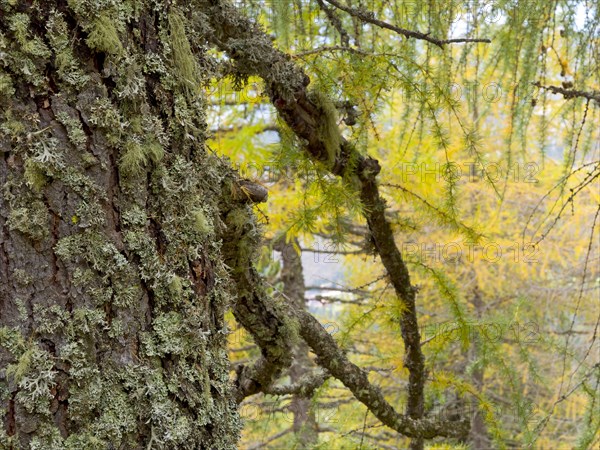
(335, 361)
(267, 325)
(367, 16)
(256, 378)
(260, 315)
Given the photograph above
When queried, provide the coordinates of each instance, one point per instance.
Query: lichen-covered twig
(261, 316)
(331, 357)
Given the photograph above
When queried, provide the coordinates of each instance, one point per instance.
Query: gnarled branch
(254, 54)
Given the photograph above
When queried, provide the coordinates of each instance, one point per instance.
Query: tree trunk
(112, 286)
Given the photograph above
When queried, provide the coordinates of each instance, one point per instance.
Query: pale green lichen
(68, 67)
(130, 80)
(28, 51)
(6, 86)
(46, 151)
(101, 254)
(105, 115)
(12, 340)
(35, 375)
(47, 437)
(21, 308)
(88, 160)
(169, 332)
(32, 221)
(74, 129)
(12, 127)
(32, 45)
(22, 277)
(48, 319)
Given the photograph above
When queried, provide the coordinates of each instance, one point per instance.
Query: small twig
(332, 48)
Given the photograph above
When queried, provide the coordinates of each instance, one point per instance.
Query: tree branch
(337, 363)
(259, 377)
(336, 22)
(304, 388)
(367, 16)
(333, 48)
(264, 319)
(253, 53)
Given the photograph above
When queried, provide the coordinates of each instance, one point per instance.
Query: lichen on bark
(113, 282)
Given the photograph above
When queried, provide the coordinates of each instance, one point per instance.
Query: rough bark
(113, 287)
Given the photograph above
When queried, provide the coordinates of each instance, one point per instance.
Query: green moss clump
(136, 155)
(154, 151)
(133, 158)
(176, 286)
(6, 86)
(328, 129)
(104, 37)
(201, 223)
(183, 59)
(35, 177)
